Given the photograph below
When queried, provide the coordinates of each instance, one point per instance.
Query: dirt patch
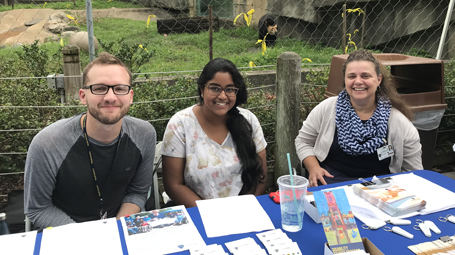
(13, 29)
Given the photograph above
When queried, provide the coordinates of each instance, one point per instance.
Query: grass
(182, 52)
(179, 52)
(70, 5)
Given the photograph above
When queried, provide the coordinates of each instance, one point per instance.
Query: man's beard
(96, 113)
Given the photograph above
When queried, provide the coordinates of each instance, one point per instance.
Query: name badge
(385, 152)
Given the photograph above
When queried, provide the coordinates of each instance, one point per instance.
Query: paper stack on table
(437, 198)
(213, 249)
(82, 238)
(20, 243)
(233, 215)
(161, 231)
(245, 246)
(277, 243)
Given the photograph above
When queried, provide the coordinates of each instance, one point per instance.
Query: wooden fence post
(288, 78)
(72, 67)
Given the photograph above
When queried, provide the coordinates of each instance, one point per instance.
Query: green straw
(293, 191)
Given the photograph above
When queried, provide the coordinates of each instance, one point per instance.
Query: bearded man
(94, 165)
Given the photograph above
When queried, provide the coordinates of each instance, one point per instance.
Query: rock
(68, 34)
(32, 22)
(81, 40)
(71, 28)
(57, 21)
(16, 45)
(53, 38)
(60, 16)
(56, 28)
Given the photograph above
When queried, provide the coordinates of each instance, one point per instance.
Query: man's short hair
(105, 58)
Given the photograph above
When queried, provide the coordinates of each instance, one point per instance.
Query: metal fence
(416, 27)
(403, 26)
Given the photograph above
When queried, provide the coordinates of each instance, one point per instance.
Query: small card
(240, 244)
(291, 248)
(269, 234)
(276, 241)
(213, 249)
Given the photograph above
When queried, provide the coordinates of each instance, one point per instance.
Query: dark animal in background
(268, 29)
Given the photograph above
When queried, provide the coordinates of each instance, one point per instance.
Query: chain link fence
(176, 35)
(406, 26)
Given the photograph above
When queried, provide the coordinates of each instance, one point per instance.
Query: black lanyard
(84, 128)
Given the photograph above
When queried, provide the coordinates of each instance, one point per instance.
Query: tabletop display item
(393, 199)
(338, 221)
(161, 231)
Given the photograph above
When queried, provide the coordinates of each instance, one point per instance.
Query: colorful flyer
(338, 221)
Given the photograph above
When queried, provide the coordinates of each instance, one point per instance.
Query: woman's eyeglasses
(215, 90)
(101, 89)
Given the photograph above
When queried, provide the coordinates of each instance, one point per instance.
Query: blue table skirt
(311, 238)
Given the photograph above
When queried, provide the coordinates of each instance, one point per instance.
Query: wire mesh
(313, 29)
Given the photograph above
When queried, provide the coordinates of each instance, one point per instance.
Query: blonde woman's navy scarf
(357, 138)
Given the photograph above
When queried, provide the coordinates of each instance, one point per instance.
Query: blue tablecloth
(311, 238)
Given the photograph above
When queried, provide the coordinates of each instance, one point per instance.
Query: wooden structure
(186, 25)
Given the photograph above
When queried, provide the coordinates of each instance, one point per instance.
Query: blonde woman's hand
(316, 174)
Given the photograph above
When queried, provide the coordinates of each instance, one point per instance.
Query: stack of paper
(394, 200)
(277, 242)
(82, 238)
(245, 246)
(162, 231)
(214, 249)
(233, 215)
(437, 198)
(20, 243)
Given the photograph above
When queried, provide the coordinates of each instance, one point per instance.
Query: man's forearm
(127, 209)
(49, 217)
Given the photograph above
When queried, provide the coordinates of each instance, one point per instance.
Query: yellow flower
(307, 59)
(61, 42)
(140, 46)
(148, 20)
(69, 17)
(350, 42)
(248, 17)
(252, 64)
(360, 11)
(44, 4)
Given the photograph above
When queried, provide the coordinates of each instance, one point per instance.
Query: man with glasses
(94, 165)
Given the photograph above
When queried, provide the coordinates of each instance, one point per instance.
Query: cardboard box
(310, 209)
(369, 248)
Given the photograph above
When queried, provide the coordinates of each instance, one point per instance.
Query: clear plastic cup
(291, 201)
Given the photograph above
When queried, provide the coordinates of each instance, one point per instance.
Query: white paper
(437, 198)
(165, 231)
(233, 215)
(20, 243)
(92, 237)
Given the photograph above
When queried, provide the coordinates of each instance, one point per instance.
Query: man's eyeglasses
(101, 89)
(215, 90)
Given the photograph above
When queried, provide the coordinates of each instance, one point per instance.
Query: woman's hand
(316, 172)
(174, 183)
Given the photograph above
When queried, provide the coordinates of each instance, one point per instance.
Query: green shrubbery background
(40, 60)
